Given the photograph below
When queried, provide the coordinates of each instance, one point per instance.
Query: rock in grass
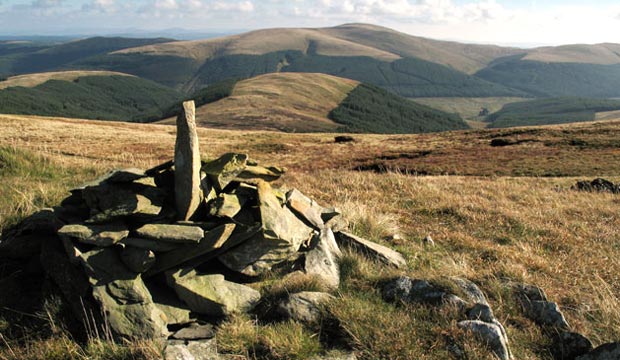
(491, 334)
(321, 261)
(178, 234)
(408, 290)
(98, 235)
(281, 236)
(187, 164)
(195, 332)
(191, 350)
(212, 294)
(546, 313)
(609, 351)
(569, 345)
(371, 249)
(303, 306)
(306, 208)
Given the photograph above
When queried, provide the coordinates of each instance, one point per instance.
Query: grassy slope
(550, 111)
(32, 80)
(484, 227)
(604, 54)
(115, 97)
(467, 108)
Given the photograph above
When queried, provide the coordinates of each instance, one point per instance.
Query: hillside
(550, 111)
(91, 95)
(484, 230)
(305, 102)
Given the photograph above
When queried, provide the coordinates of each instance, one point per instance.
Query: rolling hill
(305, 102)
(86, 94)
(551, 111)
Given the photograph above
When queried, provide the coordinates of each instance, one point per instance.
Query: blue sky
(479, 21)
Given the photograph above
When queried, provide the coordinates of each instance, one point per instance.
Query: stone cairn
(155, 250)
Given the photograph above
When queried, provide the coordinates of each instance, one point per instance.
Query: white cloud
(101, 6)
(166, 5)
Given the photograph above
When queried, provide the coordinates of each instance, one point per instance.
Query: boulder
(281, 237)
(227, 205)
(321, 261)
(178, 234)
(569, 345)
(491, 334)
(187, 191)
(211, 294)
(408, 290)
(546, 313)
(303, 306)
(138, 260)
(110, 202)
(472, 291)
(224, 170)
(609, 351)
(371, 249)
(98, 235)
(306, 208)
(191, 350)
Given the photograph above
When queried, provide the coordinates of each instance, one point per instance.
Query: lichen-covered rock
(546, 313)
(491, 334)
(306, 208)
(98, 235)
(472, 292)
(227, 205)
(303, 306)
(110, 202)
(212, 294)
(372, 249)
(410, 290)
(187, 192)
(191, 350)
(180, 234)
(225, 169)
(195, 332)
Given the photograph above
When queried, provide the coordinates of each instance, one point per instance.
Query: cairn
(148, 251)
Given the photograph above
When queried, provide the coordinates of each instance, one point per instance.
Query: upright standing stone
(187, 163)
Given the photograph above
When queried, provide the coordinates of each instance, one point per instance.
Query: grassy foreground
(489, 229)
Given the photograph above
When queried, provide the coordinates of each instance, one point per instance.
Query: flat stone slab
(254, 173)
(109, 202)
(225, 169)
(212, 294)
(98, 235)
(195, 332)
(227, 205)
(372, 249)
(305, 207)
(179, 234)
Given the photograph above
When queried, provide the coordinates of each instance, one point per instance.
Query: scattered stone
(224, 170)
(137, 260)
(609, 351)
(374, 250)
(428, 241)
(212, 294)
(303, 306)
(187, 164)
(546, 313)
(408, 290)
(471, 290)
(344, 139)
(98, 235)
(491, 334)
(179, 234)
(192, 350)
(597, 185)
(321, 260)
(569, 345)
(195, 332)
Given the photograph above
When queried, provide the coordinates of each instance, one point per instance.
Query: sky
(509, 22)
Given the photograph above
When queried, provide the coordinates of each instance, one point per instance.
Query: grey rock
(195, 332)
(281, 237)
(192, 350)
(224, 170)
(569, 345)
(410, 290)
(546, 313)
(306, 208)
(176, 311)
(529, 292)
(150, 244)
(212, 241)
(226, 205)
(110, 202)
(98, 235)
(179, 234)
(255, 173)
(471, 290)
(321, 261)
(124, 175)
(491, 334)
(609, 351)
(374, 250)
(481, 312)
(337, 223)
(303, 306)
(328, 214)
(212, 294)
(187, 164)
(137, 260)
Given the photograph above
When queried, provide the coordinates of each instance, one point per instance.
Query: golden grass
(468, 108)
(490, 229)
(32, 80)
(608, 115)
(290, 102)
(605, 54)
